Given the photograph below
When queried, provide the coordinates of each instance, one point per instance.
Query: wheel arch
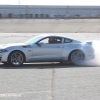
(19, 51)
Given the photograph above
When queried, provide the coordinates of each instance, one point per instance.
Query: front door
(47, 50)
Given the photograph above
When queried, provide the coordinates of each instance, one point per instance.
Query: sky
(51, 2)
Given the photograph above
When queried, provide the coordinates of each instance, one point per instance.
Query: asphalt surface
(48, 81)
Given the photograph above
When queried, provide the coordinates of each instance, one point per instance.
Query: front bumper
(0, 58)
(3, 57)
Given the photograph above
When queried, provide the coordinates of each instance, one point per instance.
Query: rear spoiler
(89, 42)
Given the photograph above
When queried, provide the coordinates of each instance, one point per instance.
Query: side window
(55, 40)
(51, 40)
(67, 40)
(45, 41)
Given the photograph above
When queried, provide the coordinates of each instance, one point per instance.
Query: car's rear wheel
(16, 58)
(77, 57)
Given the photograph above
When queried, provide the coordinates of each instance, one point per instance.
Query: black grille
(0, 58)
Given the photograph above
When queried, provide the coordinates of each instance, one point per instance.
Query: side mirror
(40, 43)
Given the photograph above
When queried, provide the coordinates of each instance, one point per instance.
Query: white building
(32, 11)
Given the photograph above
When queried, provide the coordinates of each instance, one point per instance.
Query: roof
(45, 35)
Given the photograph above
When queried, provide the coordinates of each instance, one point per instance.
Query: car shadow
(43, 66)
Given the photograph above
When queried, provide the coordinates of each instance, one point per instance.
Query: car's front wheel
(76, 57)
(16, 58)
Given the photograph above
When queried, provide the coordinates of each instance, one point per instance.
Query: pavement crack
(52, 83)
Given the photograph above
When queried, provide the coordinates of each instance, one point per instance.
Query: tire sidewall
(77, 63)
(9, 58)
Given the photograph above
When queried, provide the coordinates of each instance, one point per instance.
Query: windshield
(33, 40)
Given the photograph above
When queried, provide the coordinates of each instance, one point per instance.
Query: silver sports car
(47, 48)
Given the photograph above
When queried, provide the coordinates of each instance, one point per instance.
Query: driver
(51, 40)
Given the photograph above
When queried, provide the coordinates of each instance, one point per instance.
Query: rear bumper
(89, 55)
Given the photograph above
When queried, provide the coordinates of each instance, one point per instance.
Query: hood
(11, 45)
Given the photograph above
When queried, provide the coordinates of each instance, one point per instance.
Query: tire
(76, 57)
(16, 58)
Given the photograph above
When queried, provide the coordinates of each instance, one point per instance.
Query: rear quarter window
(66, 40)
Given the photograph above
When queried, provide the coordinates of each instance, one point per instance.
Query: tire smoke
(96, 61)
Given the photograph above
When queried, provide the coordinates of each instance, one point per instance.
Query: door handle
(59, 46)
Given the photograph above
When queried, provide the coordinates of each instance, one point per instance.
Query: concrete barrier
(49, 25)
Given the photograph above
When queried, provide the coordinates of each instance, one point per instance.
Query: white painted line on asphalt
(36, 92)
(15, 94)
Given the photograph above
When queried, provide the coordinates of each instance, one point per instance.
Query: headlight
(3, 50)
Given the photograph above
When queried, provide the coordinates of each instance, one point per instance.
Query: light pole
(18, 2)
(26, 11)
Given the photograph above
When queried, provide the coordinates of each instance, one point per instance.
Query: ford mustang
(46, 48)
